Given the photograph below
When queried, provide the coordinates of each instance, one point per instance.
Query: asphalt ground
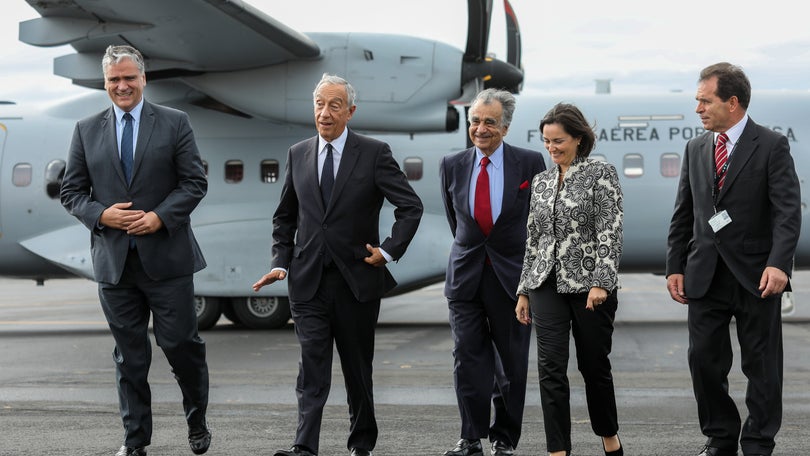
(57, 392)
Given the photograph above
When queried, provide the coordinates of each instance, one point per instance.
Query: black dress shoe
(131, 451)
(619, 452)
(714, 451)
(466, 447)
(360, 452)
(199, 439)
(295, 450)
(500, 448)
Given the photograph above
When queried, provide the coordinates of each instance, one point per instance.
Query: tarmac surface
(57, 392)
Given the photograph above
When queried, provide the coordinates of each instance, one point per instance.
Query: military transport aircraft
(246, 84)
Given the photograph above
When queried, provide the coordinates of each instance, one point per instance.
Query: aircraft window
(269, 171)
(412, 166)
(21, 175)
(598, 157)
(633, 165)
(234, 171)
(670, 165)
(54, 172)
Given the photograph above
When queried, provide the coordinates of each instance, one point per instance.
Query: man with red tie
(486, 192)
(731, 244)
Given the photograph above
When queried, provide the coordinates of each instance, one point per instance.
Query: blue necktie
(126, 147)
(327, 176)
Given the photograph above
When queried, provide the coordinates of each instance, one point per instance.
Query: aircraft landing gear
(262, 312)
(208, 311)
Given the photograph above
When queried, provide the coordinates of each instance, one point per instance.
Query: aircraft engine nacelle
(404, 84)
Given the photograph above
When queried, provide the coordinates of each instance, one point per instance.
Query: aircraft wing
(66, 247)
(176, 37)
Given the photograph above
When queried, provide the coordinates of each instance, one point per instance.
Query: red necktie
(721, 159)
(483, 209)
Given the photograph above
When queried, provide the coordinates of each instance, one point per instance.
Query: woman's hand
(522, 310)
(596, 297)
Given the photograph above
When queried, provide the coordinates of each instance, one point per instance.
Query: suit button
(323, 226)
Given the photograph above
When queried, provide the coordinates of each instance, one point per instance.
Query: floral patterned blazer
(575, 230)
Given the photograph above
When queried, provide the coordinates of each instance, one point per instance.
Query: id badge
(719, 220)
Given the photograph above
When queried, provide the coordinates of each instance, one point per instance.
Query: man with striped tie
(730, 254)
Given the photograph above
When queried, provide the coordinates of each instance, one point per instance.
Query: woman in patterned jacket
(570, 276)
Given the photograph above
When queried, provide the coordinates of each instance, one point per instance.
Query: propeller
(476, 65)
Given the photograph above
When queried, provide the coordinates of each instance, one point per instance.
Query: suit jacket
(762, 196)
(576, 229)
(506, 242)
(168, 178)
(303, 228)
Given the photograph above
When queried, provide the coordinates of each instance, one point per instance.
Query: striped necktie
(721, 160)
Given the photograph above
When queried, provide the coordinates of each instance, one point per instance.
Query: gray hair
(331, 79)
(115, 54)
(506, 99)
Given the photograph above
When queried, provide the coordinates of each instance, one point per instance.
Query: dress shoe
(131, 451)
(295, 450)
(714, 451)
(466, 447)
(619, 452)
(360, 452)
(500, 448)
(199, 439)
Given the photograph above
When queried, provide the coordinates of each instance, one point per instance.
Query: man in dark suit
(326, 236)
(133, 177)
(730, 254)
(486, 193)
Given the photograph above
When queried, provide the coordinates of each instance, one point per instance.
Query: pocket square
(524, 185)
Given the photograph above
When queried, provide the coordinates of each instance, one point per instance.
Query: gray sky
(641, 46)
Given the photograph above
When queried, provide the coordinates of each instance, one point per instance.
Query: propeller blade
(513, 43)
(477, 66)
(479, 14)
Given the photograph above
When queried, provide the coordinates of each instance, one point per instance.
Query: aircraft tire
(230, 314)
(208, 311)
(262, 312)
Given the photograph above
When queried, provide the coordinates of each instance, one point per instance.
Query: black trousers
(127, 306)
(334, 315)
(759, 332)
(554, 315)
(491, 352)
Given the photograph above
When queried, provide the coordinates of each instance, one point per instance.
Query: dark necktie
(721, 159)
(482, 206)
(327, 176)
(126, 147)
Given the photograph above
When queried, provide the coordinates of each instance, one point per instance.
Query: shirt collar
(734, 132)
(337, 144)
(496, 158)
(136, 112)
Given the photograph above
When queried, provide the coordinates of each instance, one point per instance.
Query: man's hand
(270, 277)
(675, 288)
(119, 217)
(773, 281)
(148, 223)
(376, 259)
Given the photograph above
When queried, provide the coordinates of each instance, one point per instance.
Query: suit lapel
(145, 129)
(348, 159)
(464, 176)
(109, 142)
(740, 155)
(310, 160)
(706, 158)
(511, 179)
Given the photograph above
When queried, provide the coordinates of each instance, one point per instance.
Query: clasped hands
(134, 222)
